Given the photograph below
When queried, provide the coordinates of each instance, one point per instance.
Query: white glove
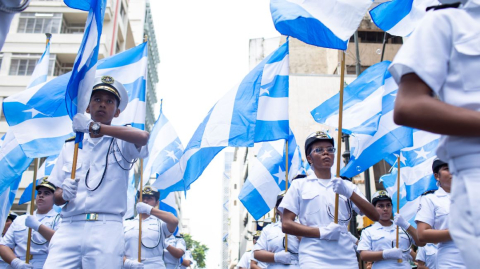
(392, 254)
(332, 231)
(81, 123)
(143, 208)
(70, 188)
(32, 222)
(400, 221)
(341, 187)
(19, 264)
(131, 264)
(283, 257)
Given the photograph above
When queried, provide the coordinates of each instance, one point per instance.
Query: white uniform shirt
(244, 261)
(378, 238)
(428, 255)
(272, 240)
(154, 232)
(313, 201)
(174, 242)
(433, 210)
(17, 235)
(444, 52)
(111, 195)
(187, 256)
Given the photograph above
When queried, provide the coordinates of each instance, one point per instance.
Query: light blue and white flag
(400, 17)
(38, 116)
(40, 73)
(44, 170)
(13, 162)
(254, 111)
(165, 150)
(362, 102)
(79, 88)
(326, 23)
(416, 176)
(267, 177)
(376, 114)
(1, 140)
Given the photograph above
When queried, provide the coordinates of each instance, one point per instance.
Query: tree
(199, 250)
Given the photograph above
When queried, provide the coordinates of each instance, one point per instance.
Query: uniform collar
(319, 180)
(377, 225)
(441, 192)
(51, 213)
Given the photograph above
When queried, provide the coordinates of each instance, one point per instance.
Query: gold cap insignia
(107, 79)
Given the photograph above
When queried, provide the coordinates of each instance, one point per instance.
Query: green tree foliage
(199, 250)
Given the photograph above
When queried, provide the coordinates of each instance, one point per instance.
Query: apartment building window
(30, 22)
(23, 64)
(72, 28)
(376, 37)
(62, 68)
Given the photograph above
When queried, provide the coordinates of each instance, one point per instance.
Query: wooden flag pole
(32, 207)
(286, 185)
(339, 137)
(398, 200)
(140, 198)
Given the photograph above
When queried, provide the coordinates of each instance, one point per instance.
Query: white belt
(93, 217)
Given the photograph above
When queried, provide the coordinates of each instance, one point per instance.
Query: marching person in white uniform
(174, 251)
(44, 222)
(427, 256)
(91, 233)
(248, 261)
(324, 244)
(270, 247)
(10, 218)
(442, 59)
(432, 219)
(378, 241)
(157, 225)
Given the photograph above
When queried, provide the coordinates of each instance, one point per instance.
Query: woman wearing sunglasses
(270, 247)
(378, 241)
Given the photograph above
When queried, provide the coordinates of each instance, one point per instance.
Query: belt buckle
(91, 216)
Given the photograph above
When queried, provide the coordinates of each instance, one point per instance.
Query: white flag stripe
(411, 175)
(386, 125)
(43, 128)
(267, 186)
(217, 130)
(9, 144)
(420, 139)
(330, 13)
(360, 112)
(126, 74)
(270, 71)
(136, 108)
(91, 41)
(272, 109)
(85, 90)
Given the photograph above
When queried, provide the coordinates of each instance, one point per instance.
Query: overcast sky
(203, 49)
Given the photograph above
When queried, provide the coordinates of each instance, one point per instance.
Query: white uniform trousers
(153, 263)
(87, 244)
(464, 219)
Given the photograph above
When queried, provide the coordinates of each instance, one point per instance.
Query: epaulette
(367, 227)
(428, 192)
(70, 139)
(454, 5)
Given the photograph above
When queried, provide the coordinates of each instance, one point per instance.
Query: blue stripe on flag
(387, 15)
(258, 207)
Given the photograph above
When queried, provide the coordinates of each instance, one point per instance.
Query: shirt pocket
(67, 168)
(20, 233)
(468, 60)
(379, 242)
(311, 202)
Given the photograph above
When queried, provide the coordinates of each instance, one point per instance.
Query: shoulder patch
(428, 192)
(454, 5)
(367, 227)
(70, 139)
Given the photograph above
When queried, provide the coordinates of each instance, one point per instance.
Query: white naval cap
(109, 84)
